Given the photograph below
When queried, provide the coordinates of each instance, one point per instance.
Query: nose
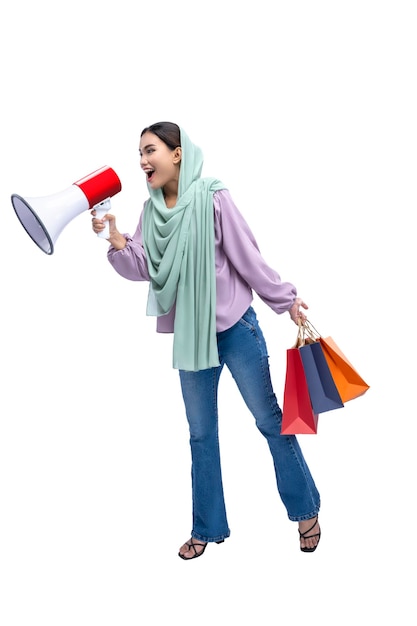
(143, 160)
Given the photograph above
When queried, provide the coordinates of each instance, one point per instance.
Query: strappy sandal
(192, 544)
(305, 535)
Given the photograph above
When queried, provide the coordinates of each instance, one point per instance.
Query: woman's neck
(170, 201)
(170, 197)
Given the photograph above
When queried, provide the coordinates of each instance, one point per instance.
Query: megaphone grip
(101, 209)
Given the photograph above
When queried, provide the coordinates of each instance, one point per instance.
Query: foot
(310, 533)
(192, 549)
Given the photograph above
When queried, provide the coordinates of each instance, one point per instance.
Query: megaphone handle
(101, 209)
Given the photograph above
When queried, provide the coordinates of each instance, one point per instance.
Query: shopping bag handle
(310, 331)
(306, 333)
(301, 335)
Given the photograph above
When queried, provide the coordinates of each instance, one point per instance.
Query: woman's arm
(240, 247)
(126, 254)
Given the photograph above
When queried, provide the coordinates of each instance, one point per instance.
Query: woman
(203, 265)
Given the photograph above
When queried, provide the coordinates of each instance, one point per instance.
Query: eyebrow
(150, 145)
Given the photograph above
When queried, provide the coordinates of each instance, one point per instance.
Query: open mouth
(149, 174)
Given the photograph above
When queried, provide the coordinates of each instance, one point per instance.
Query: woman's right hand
(99, 224)
(116, 239)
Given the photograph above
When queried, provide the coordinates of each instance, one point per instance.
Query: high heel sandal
(192, 544)
(305, 535)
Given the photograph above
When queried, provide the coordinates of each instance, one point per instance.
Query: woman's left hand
(295, 313)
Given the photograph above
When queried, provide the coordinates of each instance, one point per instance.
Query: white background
(307, 112)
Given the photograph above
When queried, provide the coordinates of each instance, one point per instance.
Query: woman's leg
(242, 348)
(199, 390)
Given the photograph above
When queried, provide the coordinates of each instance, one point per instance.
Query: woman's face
(158, 161)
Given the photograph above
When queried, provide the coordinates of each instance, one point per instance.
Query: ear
(177, 154)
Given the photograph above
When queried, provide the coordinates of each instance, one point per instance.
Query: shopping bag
(349, 383)
(324, 394)
(298, 417)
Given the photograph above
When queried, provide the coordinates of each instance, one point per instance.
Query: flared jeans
(243, 350)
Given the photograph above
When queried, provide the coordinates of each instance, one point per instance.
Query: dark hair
(168, 132)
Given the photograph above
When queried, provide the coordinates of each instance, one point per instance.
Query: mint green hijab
(179, 246)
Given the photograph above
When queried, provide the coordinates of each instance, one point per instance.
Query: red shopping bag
(298, 417)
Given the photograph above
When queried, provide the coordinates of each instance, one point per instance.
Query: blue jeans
(243, 350)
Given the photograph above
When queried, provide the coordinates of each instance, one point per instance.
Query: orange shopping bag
(349, 383)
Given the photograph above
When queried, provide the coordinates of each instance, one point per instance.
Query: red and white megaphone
(45, 217)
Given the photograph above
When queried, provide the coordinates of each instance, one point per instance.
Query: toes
(191, 549)
(309, 534)
(186, 549)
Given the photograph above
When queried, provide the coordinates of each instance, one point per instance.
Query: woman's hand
(115, 238)
(99, 224)
(295, 312)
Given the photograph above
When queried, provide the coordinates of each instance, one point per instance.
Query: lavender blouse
(240, 268)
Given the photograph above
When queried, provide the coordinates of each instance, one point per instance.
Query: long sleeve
(130, 262)
(239, 260)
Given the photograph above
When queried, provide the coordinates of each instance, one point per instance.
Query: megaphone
(44, 218)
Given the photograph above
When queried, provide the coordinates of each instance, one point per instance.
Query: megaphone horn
(45, 217)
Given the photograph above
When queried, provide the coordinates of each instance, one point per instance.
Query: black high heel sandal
(192, 544)
(305, 535)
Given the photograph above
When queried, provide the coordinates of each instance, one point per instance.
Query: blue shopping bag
(324, 394)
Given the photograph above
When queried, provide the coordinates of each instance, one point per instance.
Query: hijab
(179, 246)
